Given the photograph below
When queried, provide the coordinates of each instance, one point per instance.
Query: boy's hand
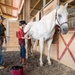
(29, 37)
(22, 37)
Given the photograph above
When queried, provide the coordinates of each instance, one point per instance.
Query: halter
(58, 20)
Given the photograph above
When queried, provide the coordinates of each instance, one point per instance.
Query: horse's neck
(51, 20)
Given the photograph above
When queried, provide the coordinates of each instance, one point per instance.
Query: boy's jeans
(1, 56)
(22, 51)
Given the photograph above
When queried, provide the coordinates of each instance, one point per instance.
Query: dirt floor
(33, 68)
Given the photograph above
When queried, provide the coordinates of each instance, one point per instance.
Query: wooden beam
(10, 15)
(71, 6)
(14, 8)
(35, 5)
(68, 1)
(32, 15)
(34, 9)
(7, 8)
(7, 14)
(12, 5)
(21, 6)
(1, 11)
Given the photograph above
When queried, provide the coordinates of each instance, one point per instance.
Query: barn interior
(12, 8)
(15, 10)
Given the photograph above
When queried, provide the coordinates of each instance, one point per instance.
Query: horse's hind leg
(32, 46)
(49, 46)
(26, 46)
(41, 44)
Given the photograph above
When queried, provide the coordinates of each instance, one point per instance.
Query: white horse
(44, 29)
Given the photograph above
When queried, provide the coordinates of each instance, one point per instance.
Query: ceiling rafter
(72, 6)
(35, 9)
(68, 1)
(35, 5)
(1, 12)
(12, 5)
(1, 9)
(10, 15)
(7, 14)
(6, 8)
(21, 6)
(1, 4)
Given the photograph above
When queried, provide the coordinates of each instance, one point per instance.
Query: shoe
(2, 67)
(20, 62)
(24, 63)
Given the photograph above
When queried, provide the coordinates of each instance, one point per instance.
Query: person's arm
(26, 37)
(5, 35)
(5, 38)
(29, 37)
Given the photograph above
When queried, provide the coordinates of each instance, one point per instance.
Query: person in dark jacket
(2, 37)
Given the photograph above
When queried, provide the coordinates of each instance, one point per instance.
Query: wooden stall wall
(65, 47)
(13, 40)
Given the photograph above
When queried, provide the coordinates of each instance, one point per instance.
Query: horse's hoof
(41, 64)
(49, 63)
(26, 57)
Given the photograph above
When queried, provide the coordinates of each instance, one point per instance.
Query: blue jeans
(22, 51)
(1, 56)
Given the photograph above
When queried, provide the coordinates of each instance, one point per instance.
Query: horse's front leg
(32, 46)
(41, 44)
(49, 46)
(26, 47)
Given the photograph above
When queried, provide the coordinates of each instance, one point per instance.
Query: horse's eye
(59, 15)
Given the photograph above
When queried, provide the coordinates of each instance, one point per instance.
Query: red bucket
(17, 70)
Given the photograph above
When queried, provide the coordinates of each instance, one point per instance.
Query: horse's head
(62, 18)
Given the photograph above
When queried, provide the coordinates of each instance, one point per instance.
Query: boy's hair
(22, 22)
(1, 17)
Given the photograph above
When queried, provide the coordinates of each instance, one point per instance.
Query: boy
(2, 37)
(21, 40)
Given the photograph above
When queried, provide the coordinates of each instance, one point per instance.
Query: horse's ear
(66, 5)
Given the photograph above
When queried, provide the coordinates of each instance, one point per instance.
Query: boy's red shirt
(20, 35)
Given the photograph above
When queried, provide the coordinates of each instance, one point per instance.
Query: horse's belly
(49, 36)
(37, 34)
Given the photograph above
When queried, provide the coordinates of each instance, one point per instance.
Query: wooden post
(26, 17)
(42, 11)
(26, 10)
